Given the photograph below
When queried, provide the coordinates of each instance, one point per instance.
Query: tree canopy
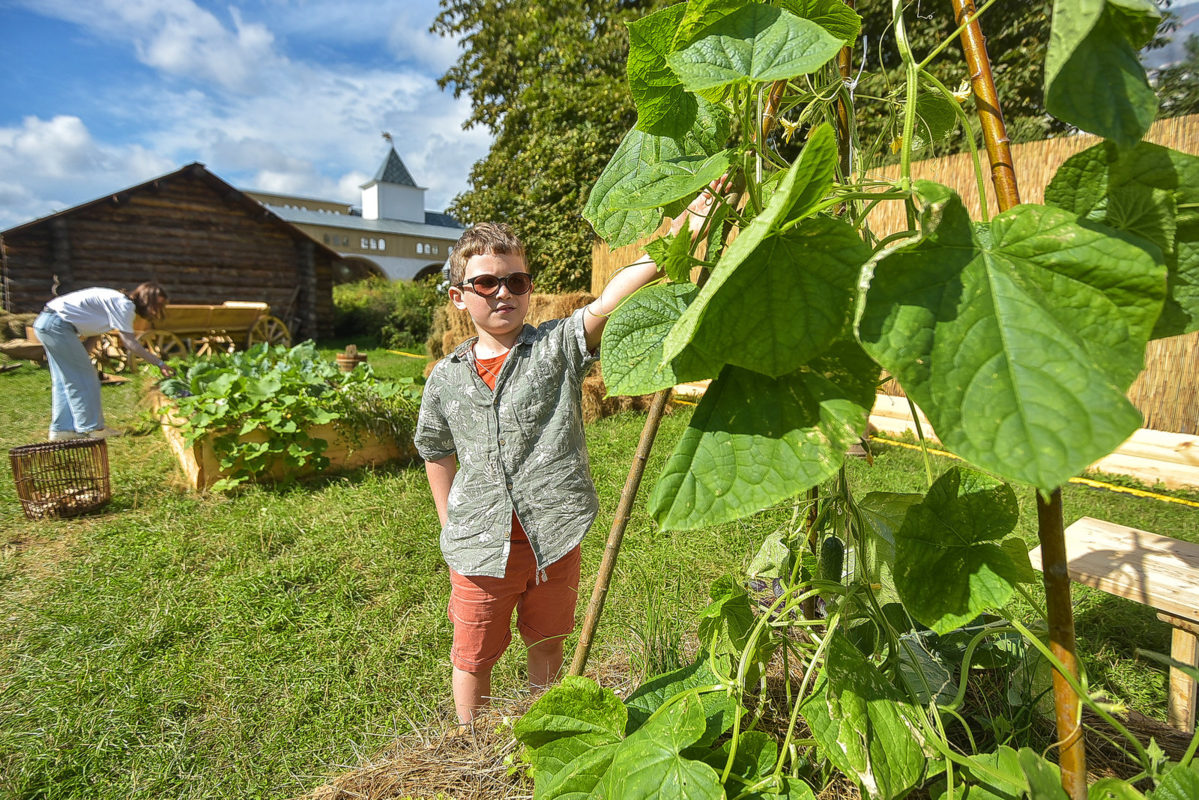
(547, 77)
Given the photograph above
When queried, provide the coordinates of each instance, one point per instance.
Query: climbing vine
(1018, 336)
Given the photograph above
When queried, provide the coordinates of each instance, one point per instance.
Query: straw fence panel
(1166, 392)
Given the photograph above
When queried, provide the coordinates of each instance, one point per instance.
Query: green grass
(178, 645)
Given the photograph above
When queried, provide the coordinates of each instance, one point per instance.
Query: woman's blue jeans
(74, 384)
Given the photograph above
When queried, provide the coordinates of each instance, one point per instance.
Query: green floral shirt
(519, 448)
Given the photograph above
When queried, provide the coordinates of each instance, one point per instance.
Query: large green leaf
(862, 725)
(720, 709)
(1093, 78)
(800, 286)
(649, 763)
(833, 15)
(1180, 783)
(1044, 777)
(702, 13)
(800, 283)
(949, 562)
(633, 337)
(1018, 339)
(632, 167)
(754, 441)
(1153, 192)
(755, 44)
(574, 707)
(579, 778)
(664, 107)
(675, 179)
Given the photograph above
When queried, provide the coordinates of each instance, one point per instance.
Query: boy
(501, 433)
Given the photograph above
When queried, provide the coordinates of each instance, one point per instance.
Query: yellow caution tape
(410, 355)
(1111, 487)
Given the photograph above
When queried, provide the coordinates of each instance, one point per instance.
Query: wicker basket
(61, 479)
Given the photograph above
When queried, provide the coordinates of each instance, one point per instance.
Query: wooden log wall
(203, 242)
(1166, 392)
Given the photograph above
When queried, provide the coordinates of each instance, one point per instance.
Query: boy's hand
(695, 216)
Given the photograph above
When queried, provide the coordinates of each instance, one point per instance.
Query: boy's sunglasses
(488, 285)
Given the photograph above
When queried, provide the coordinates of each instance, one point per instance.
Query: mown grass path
(178, 645)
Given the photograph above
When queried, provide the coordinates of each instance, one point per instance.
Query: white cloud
(228, 96)
(58, 164)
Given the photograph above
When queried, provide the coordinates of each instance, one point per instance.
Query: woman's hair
(484, 239)
(146, 297)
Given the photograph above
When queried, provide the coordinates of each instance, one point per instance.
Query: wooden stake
(616, 535)
(1050, 527)
(1056, 578)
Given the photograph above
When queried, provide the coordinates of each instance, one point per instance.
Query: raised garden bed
(274, 414)
(345, 450)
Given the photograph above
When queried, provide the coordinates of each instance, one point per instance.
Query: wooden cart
(198, 329)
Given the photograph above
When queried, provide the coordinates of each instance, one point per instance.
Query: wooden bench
(1154, 570)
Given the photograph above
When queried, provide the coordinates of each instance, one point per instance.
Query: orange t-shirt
(489, 370)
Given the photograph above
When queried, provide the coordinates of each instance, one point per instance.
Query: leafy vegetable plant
(1018, 336)
(283, 392)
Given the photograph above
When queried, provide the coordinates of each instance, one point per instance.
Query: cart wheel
(164, 344)
(271, 330)
(109, 355)
(212, 343)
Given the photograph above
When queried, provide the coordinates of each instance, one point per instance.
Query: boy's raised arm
(644, 270)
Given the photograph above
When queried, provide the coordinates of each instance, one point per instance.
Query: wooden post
(616, 535)
(1056, 577)
(1184, 692)
(1050, 527)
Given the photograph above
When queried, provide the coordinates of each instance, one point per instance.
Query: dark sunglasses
(488, 285)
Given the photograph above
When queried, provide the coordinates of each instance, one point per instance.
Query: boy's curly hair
(486, 238)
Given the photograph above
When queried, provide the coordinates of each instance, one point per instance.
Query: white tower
(393, 194)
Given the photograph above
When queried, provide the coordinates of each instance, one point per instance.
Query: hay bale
(542, 308)
(12, 326)
(437, 329)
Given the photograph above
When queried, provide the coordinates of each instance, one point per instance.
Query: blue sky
(278, 95)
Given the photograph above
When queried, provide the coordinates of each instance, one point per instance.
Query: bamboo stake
(603, 580)
(986, 99)
(623, 511)
(1050, 526)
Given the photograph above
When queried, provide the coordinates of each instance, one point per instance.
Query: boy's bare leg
(545, 662)
(471, 692)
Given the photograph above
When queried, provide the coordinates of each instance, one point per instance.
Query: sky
(288, 96)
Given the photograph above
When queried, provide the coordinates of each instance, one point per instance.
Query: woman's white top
(96, 310)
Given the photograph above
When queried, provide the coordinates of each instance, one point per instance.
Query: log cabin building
(202, 239)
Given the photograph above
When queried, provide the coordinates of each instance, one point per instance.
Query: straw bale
(596, 406)
(458, 327)
(12, 326)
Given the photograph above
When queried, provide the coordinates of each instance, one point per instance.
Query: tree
(1178, 84)
(547, 78)
(1017, 37)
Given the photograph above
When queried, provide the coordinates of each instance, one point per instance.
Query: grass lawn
(178, 645)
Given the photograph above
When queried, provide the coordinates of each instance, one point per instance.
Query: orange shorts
(481, 607)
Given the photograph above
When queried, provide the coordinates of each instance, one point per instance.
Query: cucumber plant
(1018, 336)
